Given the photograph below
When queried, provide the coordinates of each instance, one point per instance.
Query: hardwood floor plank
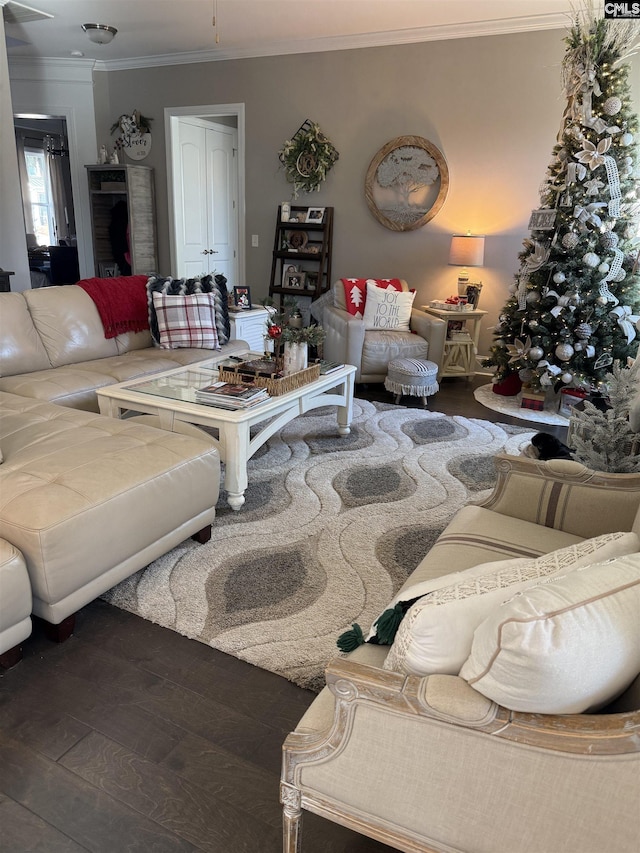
(44, 729)
(191, 812)
(79, 810)
(233, 779)
(22, 830)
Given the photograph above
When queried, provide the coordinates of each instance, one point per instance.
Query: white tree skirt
(511, 406)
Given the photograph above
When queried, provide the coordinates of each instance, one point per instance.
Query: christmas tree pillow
(388, 309)
(355, 292)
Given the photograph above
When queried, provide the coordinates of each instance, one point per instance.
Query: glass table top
(183, 384)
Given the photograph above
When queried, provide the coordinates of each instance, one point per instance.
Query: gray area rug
(331, 528)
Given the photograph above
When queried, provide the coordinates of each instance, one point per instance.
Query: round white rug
(511, 406)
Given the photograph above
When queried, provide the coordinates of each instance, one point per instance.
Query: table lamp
(466, 250)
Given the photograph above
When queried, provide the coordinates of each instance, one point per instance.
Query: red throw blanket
(121, 302)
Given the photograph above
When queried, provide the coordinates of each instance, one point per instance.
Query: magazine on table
(329, 366)
(232, 394)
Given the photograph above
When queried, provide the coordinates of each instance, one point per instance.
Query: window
(40, 196)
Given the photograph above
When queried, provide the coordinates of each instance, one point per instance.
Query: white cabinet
(249, 326)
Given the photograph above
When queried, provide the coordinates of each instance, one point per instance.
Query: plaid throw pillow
(186, 321)
(216, 286)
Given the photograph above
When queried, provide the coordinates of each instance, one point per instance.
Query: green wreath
(307, 158)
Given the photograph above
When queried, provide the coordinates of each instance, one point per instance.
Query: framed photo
(473, 293)
(287, 269)
(242, 297)
(108, 270)
(311, 281)
(295, 280)
(315, 214)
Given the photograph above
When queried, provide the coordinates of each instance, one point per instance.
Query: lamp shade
(100, 33)
(466, 251)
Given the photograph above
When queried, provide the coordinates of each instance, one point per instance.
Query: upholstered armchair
(348, 342)
(427, 763)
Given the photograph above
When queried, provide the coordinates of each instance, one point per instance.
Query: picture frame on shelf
(295, 280)
(311, 281)
(108, 270)
(315, 215)
(287, 269)
(242, 298)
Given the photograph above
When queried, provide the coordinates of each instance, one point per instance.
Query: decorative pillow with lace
(436, 633)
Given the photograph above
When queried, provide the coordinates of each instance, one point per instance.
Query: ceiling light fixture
(100, 33)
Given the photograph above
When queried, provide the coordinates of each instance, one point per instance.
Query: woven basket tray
(274, 385)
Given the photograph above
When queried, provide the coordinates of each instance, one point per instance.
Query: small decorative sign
(135, 135)
(543, 219)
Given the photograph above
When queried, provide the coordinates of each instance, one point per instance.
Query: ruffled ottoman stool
(415, 377)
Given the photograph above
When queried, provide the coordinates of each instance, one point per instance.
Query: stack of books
(229, 395)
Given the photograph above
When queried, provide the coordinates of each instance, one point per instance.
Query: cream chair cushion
(568, 645)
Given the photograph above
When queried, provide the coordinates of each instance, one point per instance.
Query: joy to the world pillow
(388, 310)
(355, 292)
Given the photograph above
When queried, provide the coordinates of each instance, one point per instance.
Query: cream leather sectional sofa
(85, 500)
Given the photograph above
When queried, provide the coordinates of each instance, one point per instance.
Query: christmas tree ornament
(591, 259)
(583, 331)
(604, 267)
(601, 300)
(533, 297)
(525, 375)
(609, 239)
(612, 105)
(567, 378)
(570, 240)
(619, 276)
(626, 139)
(559, 277)
(536, 353)
(564, 352)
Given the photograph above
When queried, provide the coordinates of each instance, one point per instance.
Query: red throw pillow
(355, 292)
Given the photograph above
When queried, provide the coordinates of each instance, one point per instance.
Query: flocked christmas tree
(575, 302)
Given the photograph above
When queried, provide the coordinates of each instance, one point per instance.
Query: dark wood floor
(129, 737)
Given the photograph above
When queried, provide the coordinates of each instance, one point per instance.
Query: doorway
(206, 190)
(47, 198)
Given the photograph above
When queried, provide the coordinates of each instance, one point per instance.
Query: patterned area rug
(330, 530)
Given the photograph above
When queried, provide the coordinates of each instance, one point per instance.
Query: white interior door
(205, 171)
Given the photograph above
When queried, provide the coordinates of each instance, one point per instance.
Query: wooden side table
(461, 345)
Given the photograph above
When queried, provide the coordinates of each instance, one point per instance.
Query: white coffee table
(170, 396)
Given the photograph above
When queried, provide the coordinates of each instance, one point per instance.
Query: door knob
(209, 252)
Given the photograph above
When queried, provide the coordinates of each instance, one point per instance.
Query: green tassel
(351, 639)
(388, 623)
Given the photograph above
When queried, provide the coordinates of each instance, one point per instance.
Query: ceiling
(154, 32)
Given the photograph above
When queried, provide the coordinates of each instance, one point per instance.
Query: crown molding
(51, 69)
(502, 26)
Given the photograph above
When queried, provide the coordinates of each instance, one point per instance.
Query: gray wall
(492, 105)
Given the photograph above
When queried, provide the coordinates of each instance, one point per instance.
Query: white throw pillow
(436, 633)
(568, 645)
(387, 309)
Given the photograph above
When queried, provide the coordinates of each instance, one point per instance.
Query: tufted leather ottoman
(415, 377)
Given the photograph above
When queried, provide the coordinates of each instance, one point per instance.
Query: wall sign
(406, 183)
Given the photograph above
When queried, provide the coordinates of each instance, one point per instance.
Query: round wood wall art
(407, 182)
